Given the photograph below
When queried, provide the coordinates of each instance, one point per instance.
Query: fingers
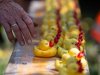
(29, 24)
(17, 32)
(25, 31)
(8, 31)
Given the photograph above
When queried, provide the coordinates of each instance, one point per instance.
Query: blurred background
(90, 20)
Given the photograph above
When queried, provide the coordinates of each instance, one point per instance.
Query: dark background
(89, 8)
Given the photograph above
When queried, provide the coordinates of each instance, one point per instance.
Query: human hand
(14, 18)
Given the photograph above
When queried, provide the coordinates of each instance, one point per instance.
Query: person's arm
(4, 0)
(14, 18)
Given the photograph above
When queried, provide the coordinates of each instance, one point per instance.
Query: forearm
(23, 3)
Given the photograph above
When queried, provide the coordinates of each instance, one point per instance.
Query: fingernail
(29, 41)
(22, 43)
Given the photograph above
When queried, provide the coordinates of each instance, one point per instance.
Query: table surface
(23, 62)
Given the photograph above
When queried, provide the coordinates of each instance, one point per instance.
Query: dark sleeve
(23, 3)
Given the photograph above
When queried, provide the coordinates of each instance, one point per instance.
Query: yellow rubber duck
(44, 50)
